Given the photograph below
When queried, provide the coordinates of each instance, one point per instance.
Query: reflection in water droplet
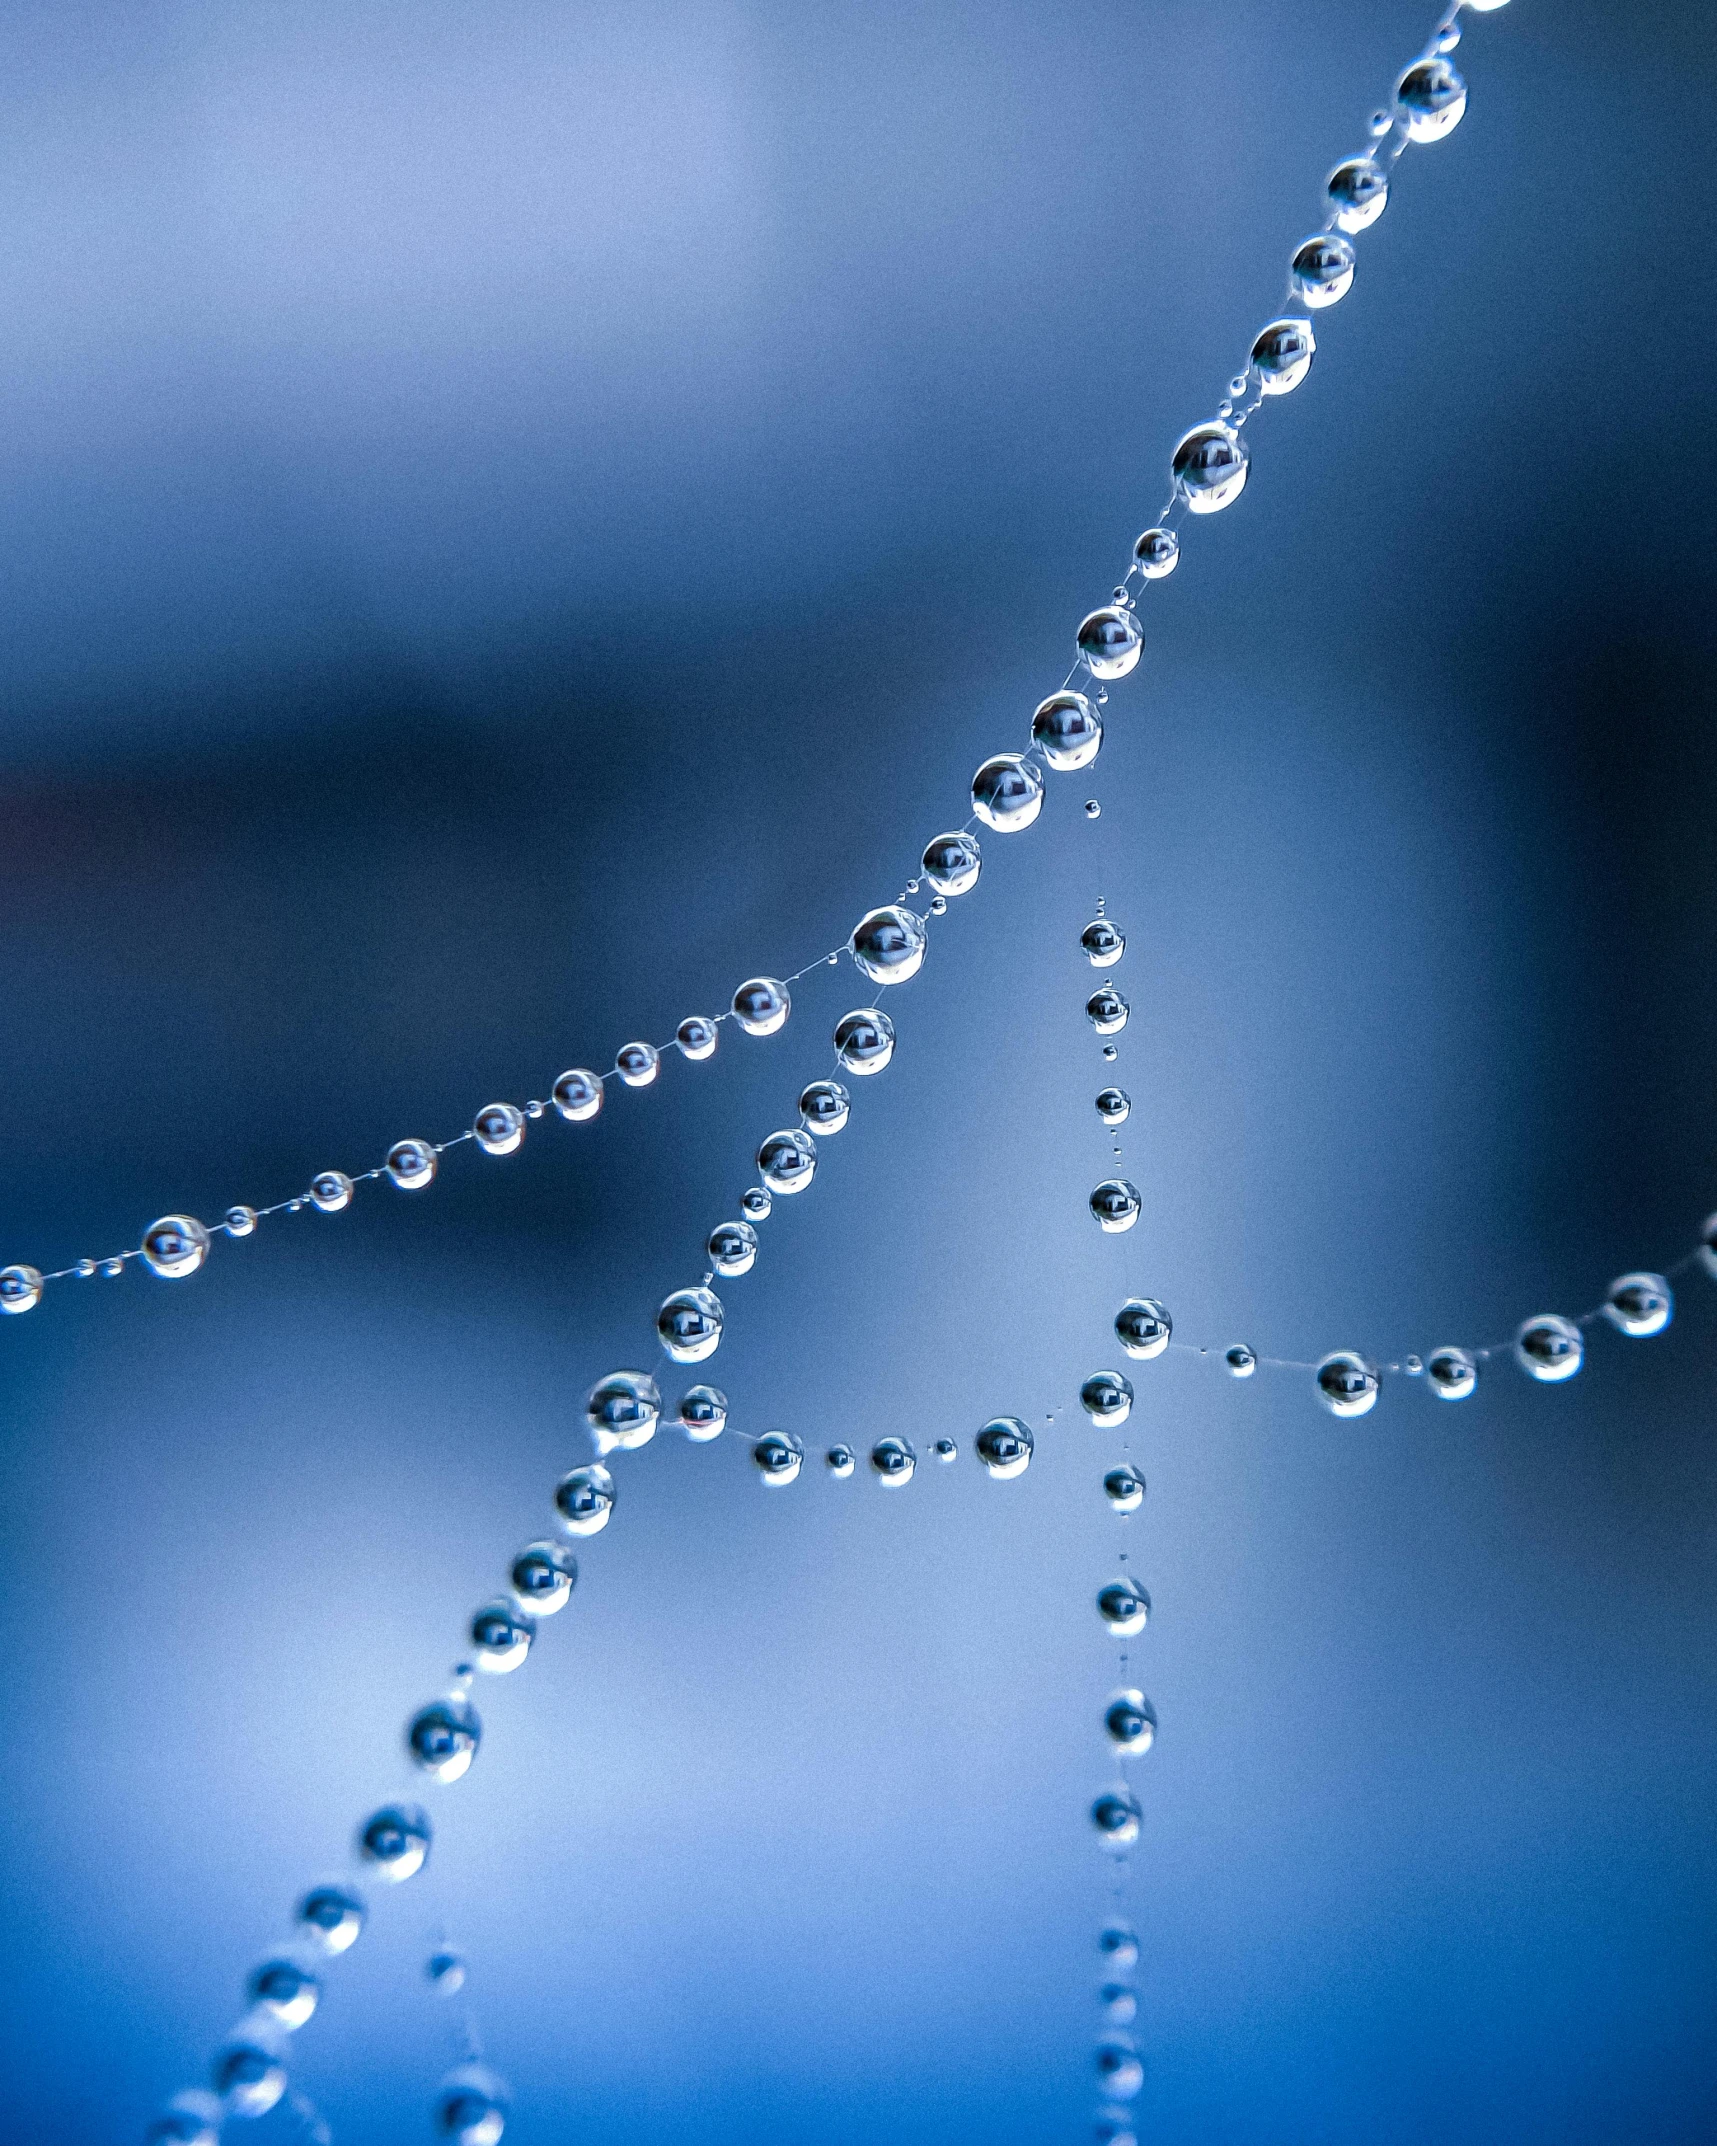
(1118, 2065)
(20, 1288)
(952, 863)
(1210, 468)
(1143, 1327)
(787, 1161)
(287, 1992)
(946, 1451)
(1119, 1946)
(1114, 1105)
(1550, 1347)
(443, 1738)
(1283, 355)
(249, 2076)
(1116, 1816)
(1115, 1204)
(1007, 793)
(577, 1094)
(697, 1036)
(755, 1202)
(1111, 642)
(732, 1248)
(637, 1064)
(1124, 1487)
(761, 1006)
(824, 1108)
(330, 1190)
(622, 1410)
(864, 1040)
(501, 1636)
(1094, 811)
(543, 1576)
(174, 1247)
(1640, 1304)
(395, 1842)
(1004, 1445)
(1068, 731)
(471, 2107)
(1347, 1384)
(585, 1500)
(889, 945)
(689, 1325)
(703, 1413)
(1107, 1397)
(1103, 942)
(1124, 1607)
(500, 1128)
(893, 1461)
(1106, 1010)
(1452, 1374)
(1157, 553)
(1430, 98)
(446, 1973)
(839, 1461)
(1358, 193)
(1240, 1360)
(778, 1456)
(1322, 269)
(1130, 1722)
(331, 1917)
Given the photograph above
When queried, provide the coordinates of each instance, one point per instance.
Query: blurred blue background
(512, 520)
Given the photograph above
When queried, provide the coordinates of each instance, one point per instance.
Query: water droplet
(824, 1106)
(1107, 1397)
(191, 2118)
(1106, 1010)
(20, 1288)
(332, 1918)
(1119, 1946)
(864, 1040)
(1225, 409)
(1347, 1384)
(1550, 1347)
(637, 1064)
(1283, 355)
(778, 1456)
(412, 1164)
(500, 1128)
(1452, 1374)
(287, 1992)
(1007, 793)
(689, 1324)
(1093, 810)
(1068, 731)
(938, 905)
(1111, 642)
(175, 1246)
(889, 945)
(1640, 1304)
(787, 1161)
(1240, 1360)
(331, 1190)
(543, 1576)
(86, 1268)
(1118, 2065)
(1113, 1105)
(535, 1110)
(1124, 1487)
(952, 863)
(1321, 271)
(1143, 1327)
(1448, 37)
(1103, 942)
(732, 1248)
(1004, 1445)
(622, 1410)
(1118, 2004)
(1130, 1721)
(577, 1094)
(755, 1202)
(1210, 468)
(1110, 1052)
(761, 1006)
(396, 1841)
(584, 1498)
(1124, 1607)
(1157, 553)
(697, 1036)
(892, 1461)
(1116, 1816)
(248, 2075)
(946, 1451)
(446, 1973)
(1414, 1366)
(501, 1636)
(1115, 1204)
(1358, 192)
(839, 1461)
(703, 1413)
(443, 1737)
(471, 2107)
(1430, 98)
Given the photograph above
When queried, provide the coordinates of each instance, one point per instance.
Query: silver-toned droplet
(787, 1160)
(1004, 1445)
(1115, 1204)
(1210, 466)
(755, 1203)
(1111, 642)
(689, 1324)
(1358, 193)
(240, 1221)
(174, 1247)
(331, 1190)
(1414, 1366)
(331, 1917)
(1639, 1304)
(839, 1461)
(732, 1248)
(1107, 1398)
(20, 1288)
(501, 1635)
(1119, 2070)
(395, 1841)
(946, 1451)
(1116, 1816)
(778, 1456)
(1124, 1606)
(542, 1577)
(286, 1991)
(893, 1462)
(584, 1499)
(824, 1108)
(952, 863)
(697, 1036)
(1143, 1327)
(500, 1128)
(1240, 1360)
(1124, 1487)
(1007, 793)
(1114, 1105)
(1283, 355)
(1130, 1722)
(1550, 1347)
(412, 1164)
(1157, 553)
(1068, 731)
(889, 945)
(443, 1738)
(1452, 1374)
(622, 1410)
(1430, 97)
(864, 1040)
(703, 1413)
(1103, 942)
(577, 1094)
(1321, 271)
(1106, 1010)
(938, 905)
(1093, 810)
(1347, 1384)
(637, 1064)
(761, 1006)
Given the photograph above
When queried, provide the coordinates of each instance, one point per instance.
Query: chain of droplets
(1208, 470)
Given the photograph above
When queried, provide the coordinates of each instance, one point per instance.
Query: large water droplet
(331, 1917)
(787, 1161)
(1640, 1304)
(732, 1248)
(287, 1992)
(1110, 641)
(756, 1203)
(1115, 1204)
(412, 1164)
(778, 1457)
(840, 1462)
(175, 1246)
(761, 1006)
(1283, 355)
(622, 1410)
(584, 1498)
(1106, 1010)
(703, 1413)
(20, 1288)
(443, 1738)
(1130, 1722)
(395, 1842)
(1430, 98)
(1116, 1816)
(824, 1107)
(1143, 1327)
(1107, 1397)
(543, 1576)
(1004, 1445)
(1358, 192)
(330, 1190)
(240, 1221)
(1068, 731)
(893, 1461)
(1210, 467)
(1103, 942)
(1124, 1606)
(888, 945)
(577, 1094)
(1118, 2066)
(697, 1036)
(1157, 554)
(1452, 1373)
(501, 1636)
(689, 1324)
(471, 2107)
(1240, 1360)
(1321, 271)
(864, 1040)
(1007, 793)
(952, 863)
(1550, 1347)
(1124, 1487)
(1347, 1384)
(637, 1064)
(1113, 1105)
(500, 1128)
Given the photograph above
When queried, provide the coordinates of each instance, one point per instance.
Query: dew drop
(761, 1006)
(287, 1992)
(445, 1972)
(1004, 1445)
(839, 1462)
(689, 1325)
(893, 1462)
(248, 2076)
(622, 1409)
(1157, 553)
(443, 1738)
(756, 1203)
(697, 1036)
(888, 945)
(1068, 731)
(1321, 271)
(864, 1040)
(331, 1918)
(585, 1500)
(577, 1095)
(395, 1842)
(1210, 467)
(946, 1451)
(952, 863)
(174, 1247)
(1103, 942)
(1110, 642)
(1640, 1304)
(1106, 1010)
(543, 1576)
(824, 1108)
(1107, 1397)
(1430, 98)
(1115, 1204)
(1550, 1347)
(501, 1636)
(1007, 793)
(703, 1413)
(1347, 1384)
(732, 1248)
(1124, 1607)
(471, 2107)
(1283, 355)
(778, 1457)
(411, 1164)
(1143, 1327)
(1118, 2066)
(787, 1161)
(1358, 192)
(1113, 1105)
(331, 1190)
(1240, 1360)
(1452, 1374)
(1093, 810)
(637, 1064)
(20, 1288)
(1116, 1816)
(1130, 1722)
(1124, 1487)
(500, 1128)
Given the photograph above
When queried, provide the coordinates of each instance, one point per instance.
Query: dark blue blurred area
(514, 519)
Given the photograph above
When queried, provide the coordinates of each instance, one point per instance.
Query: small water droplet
(1093, 810)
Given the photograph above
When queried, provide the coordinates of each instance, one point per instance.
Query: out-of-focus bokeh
(513, 519)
